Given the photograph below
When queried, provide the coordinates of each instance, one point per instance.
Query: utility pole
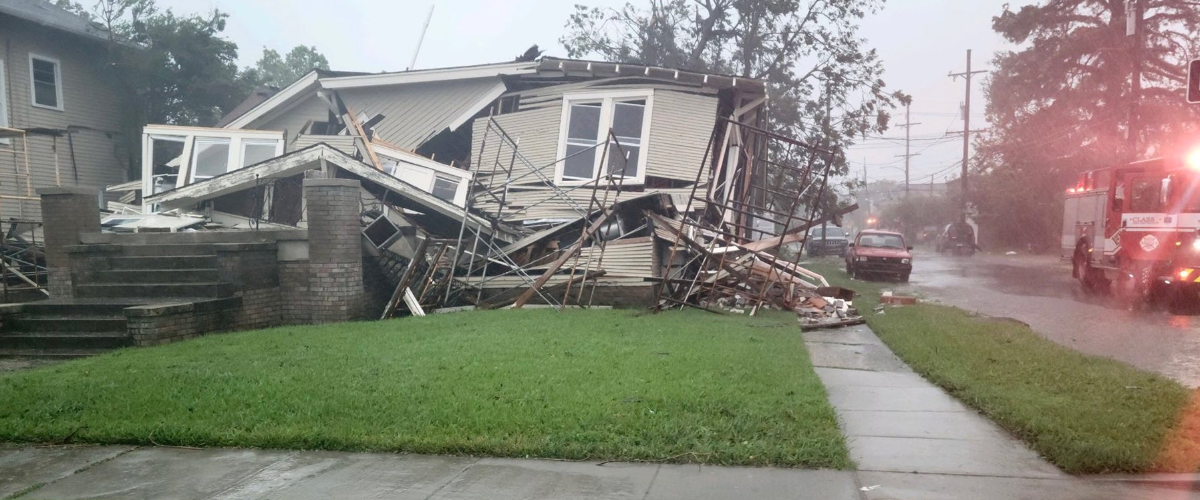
(1133, 30)
(966, 130)
(907, 139)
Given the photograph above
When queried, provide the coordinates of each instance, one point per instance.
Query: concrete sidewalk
(913, 441)
(115, 472)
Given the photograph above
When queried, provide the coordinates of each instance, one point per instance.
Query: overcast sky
(920, 41)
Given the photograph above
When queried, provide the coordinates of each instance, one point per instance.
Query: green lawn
(1085, 414)
(601, 384)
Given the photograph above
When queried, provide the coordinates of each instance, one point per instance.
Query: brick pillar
(67, 212)
(335, 249)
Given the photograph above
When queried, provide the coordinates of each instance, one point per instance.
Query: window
(45, 74)
(210, 158)
(881, 241)
(587, 120)
(1145, 195)
(254, 152)
(445, 187)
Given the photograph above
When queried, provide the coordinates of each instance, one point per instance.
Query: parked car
(826, 240)
(879, 253)
(956, 237)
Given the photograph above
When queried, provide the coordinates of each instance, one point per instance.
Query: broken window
(445, 187)
(587, 120)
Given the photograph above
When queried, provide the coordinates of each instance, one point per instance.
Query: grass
(600, 385)
(1085, 414)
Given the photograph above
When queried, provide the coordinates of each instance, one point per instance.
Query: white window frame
(58, 90)
(406, 160)
(607, 100)
(4, 119)
(187, 173)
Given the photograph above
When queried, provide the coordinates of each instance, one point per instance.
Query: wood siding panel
(679, 132)
(415, 113)
(291, 121)
(92, 105)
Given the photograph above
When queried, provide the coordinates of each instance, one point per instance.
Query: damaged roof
(297, 162)
(474, 88)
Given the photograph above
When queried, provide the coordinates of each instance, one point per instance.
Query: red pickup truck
(879, 253)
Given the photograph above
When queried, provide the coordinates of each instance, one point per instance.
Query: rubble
(500, 225)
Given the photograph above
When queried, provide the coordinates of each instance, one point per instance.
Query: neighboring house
(52, 87)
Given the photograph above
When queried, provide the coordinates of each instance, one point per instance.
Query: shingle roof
(47, 14)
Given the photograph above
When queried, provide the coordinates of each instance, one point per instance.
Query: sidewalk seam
(475, 460)
(657, 468)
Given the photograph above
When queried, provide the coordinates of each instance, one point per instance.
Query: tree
(176, 69)
(1062, 104)
(279, 72)
(808, 50)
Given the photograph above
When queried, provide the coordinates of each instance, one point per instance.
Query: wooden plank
(562, 259)
(352, 120)
(412, 303)
(405, 278)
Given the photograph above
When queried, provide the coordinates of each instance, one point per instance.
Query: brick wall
(253, 268)
(68, 212)
(295, 304)
(162, 324)
(335, 249)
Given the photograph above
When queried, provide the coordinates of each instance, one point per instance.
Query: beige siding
(343, 143)
(91, 105)
(415, 113)
(537, 131)
(310, 108)
(680, 124)
(679, 132)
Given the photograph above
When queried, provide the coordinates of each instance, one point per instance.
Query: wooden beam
(409, 271)
(352, 121)
(562, 259)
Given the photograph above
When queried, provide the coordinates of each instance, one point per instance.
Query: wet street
(1039, 291)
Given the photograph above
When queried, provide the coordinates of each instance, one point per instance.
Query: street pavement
(1039, 291)
(910, 440)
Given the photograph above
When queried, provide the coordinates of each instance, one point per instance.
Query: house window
(46, 77)
(254, 152)
(210, 158)
(445, 187)
(587, 120)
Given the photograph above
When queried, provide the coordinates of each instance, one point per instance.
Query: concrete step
(51, 353)
(198, 261)
(59, 323)
(99, 308)
(119, 276)
(50, 342)
(167, 250)
(155, 290)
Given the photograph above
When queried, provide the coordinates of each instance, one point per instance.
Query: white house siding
(680, 124)
(310, 108)
(679, 132)
(414, 113)
(90, 100)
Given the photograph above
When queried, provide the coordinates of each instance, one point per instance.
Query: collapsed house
(555, 181)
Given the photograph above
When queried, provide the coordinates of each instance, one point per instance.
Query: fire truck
(1134, 230)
